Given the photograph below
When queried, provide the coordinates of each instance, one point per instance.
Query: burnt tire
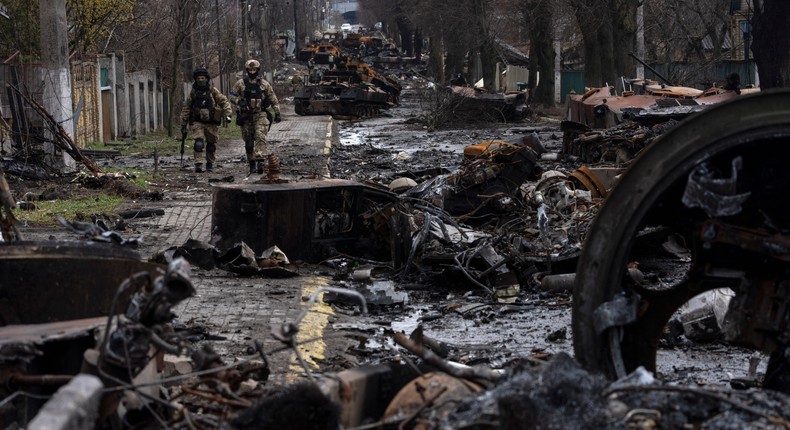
(649, 193)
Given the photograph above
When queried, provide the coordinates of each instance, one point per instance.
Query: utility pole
(640, 40)
(57, 95)
(244, 34)
(219, 48)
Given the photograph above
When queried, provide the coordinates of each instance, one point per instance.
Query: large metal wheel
(742, 146)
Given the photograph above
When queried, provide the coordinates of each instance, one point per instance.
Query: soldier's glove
(183, 129)
(277, 117)
(243, 105)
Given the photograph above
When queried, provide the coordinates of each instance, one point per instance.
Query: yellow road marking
(312, 326)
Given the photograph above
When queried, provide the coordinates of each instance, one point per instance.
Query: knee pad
(249, 146)
(198, 145)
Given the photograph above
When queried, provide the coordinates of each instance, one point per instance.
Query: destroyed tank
(698, 210)
(352, 88)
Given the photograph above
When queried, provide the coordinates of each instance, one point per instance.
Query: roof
(511, 55)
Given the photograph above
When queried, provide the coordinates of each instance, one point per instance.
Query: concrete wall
(145, 102)
(137, 96)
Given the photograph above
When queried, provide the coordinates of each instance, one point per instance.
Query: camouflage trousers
(208, 134)
(254, 135)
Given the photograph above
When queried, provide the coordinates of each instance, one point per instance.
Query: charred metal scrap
(533, 392)
(521, 218)
(239, 259)
(603, 126)
(496, 213)
(124, 348)
(310, 221)
(151, 307)
(97, 231)
(618, 144)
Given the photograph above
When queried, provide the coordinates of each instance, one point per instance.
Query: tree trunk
(589, 21)
(609, 34)
(436, 59)
(418, 48)
(542, 55)
(624, 30)
(487, 46)
(405, 32)
(605, 38)
(488, 60)
(771, 46)
(454, 61)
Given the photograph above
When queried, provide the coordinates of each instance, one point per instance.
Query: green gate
(571, 80)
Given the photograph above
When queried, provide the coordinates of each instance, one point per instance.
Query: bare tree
(539, 24)
(690, 37)
(93, 23)
(180, 18)
(608, 29)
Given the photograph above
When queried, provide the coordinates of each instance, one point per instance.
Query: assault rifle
(183, 141)
(244, 114)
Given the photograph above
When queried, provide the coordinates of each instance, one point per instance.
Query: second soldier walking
(257, 108)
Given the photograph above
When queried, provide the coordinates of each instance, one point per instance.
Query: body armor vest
(202, 105)
(253, 93)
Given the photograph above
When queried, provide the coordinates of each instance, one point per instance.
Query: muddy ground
(474, 330)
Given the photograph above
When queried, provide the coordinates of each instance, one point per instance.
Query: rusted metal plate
(307, 220)
(590, 181)
(432, 389)
(42, 282)
(61, 330)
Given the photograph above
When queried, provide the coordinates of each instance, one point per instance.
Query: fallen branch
(61, 138)
(474, 373)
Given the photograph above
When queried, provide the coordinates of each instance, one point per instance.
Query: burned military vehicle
(351, 88)
(713, 186)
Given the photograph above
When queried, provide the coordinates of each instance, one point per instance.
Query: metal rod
(651, 69)
(41, 380)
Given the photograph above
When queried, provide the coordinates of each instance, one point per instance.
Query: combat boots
(209, 167)
(198, 167)
(253, 167)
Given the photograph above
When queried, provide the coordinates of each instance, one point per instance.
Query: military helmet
(200, 71)
(252, 63)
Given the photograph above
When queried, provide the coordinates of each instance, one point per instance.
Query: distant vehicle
(345, 27)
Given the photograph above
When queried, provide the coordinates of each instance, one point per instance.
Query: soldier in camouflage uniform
(256, 108)
(204, 109)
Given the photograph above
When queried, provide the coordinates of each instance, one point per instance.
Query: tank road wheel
(716, 184)
(356, 111)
